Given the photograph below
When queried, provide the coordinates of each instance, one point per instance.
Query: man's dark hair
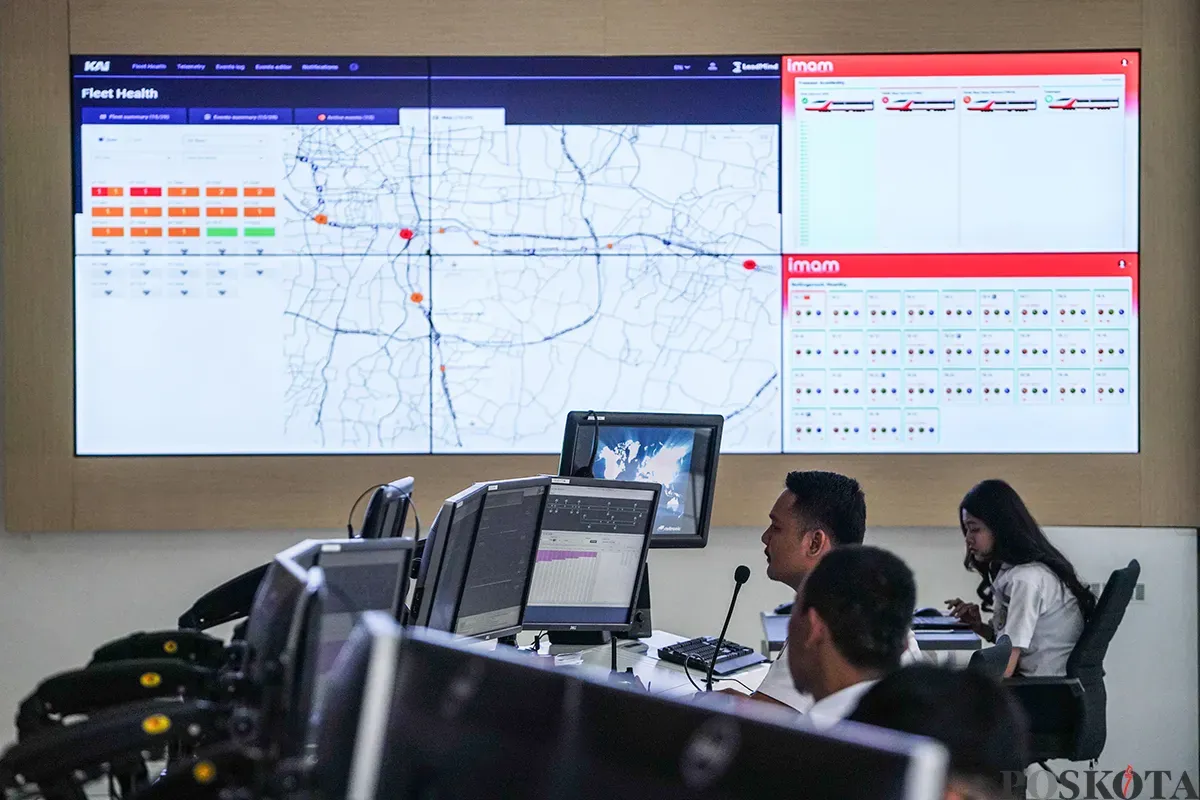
(866, 597)
(831, 502)
(978, 720)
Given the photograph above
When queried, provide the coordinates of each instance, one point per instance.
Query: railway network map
(447, 255)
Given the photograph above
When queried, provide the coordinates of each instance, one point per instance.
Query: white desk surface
(658, 677)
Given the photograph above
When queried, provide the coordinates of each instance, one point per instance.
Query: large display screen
(901, 253)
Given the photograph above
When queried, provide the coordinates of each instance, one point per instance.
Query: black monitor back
(468, 724)
(640, 747)
(386, 511)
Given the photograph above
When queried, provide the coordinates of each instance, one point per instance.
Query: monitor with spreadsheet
(677, 451)
(478, 559)
(591, 554)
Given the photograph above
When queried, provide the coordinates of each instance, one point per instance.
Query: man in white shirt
(849, 628)
(816, 513)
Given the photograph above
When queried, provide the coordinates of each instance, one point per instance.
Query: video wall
(840, 254)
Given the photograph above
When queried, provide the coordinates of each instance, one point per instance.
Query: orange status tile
(220, 191)
(183, 191)
(259, 212)
(145, 211)
(259, 191)
(183, 211)
(106, 232)
(220, 212)
(145, 231)
(107, 211)
(183, 231)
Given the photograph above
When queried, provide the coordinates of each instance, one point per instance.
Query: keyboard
(939, 623)
(698, 653)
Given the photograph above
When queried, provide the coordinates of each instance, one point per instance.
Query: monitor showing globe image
(656, 455)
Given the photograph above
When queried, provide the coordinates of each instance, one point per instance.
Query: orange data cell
(107, 232)
(145, 211)
(183, 232)
(183, 191)
(220, 191)
(183, 211)
(108, 211)
(220, 212)
(145, 232)
(108, 191)
(258, 191)
(259, 212)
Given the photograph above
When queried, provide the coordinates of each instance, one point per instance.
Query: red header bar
(917, 65)
(966, 64)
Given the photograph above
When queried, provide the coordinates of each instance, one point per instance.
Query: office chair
(1067, 714)
(992, 661)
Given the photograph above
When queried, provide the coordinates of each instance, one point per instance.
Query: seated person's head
(850, 621)
(976, 719)
(816, 512)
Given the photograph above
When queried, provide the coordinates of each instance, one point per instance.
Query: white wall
(61, 595)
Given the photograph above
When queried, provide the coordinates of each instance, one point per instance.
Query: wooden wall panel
(49, 489)
(35, 232)
(1170, 258)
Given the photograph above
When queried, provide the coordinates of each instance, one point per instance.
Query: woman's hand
(969, 614)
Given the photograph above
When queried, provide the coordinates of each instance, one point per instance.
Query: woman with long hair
(1035, 597)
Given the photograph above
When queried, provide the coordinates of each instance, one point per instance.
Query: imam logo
(796, 65)
(96, 66)
(814, 266)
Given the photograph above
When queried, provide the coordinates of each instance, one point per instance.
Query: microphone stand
(708, 679)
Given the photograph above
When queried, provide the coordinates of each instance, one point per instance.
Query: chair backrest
(1087, 659)
(992, 661)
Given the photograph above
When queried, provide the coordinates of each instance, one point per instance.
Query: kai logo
(813, 266)
(799, 65)
(96, 66)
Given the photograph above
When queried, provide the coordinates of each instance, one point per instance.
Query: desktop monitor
(743, 751)
(352, 715)
(269, 623)
(591, 555)
(387, 510)
(478, 559)
(285, 725)
(466, 723)
(678, 451)
(362, 575)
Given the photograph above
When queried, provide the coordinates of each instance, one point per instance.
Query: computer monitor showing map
(591, 554)
(677, 451)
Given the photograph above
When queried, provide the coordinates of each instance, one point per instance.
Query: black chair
(992, 661)
(1067, 714)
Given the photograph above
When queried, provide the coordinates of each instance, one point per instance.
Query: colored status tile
(145, 232)
(183, 232)
(220, 191)
(145, 191)
(183, 211)
(108, 211)
(258, 191)
(145, 211)
(222, 231)
(259, 212)
(108, 191)
(183, 191)
(107, 232)
(260, 232)
(220, 212)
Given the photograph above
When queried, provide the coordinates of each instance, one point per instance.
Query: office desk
(775, 634)
(658, 677)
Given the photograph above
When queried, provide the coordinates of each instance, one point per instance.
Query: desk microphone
(740, 576)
